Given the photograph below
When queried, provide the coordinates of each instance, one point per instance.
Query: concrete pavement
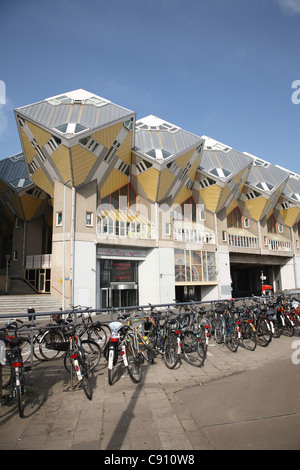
(243, 400)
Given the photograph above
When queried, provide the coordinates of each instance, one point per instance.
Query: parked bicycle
(227, 330)
(127, 342)
(13, 373)
(80, 358)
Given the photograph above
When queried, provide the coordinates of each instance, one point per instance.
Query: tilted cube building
(104, 210)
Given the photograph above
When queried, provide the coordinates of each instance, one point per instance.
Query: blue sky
(222, 68)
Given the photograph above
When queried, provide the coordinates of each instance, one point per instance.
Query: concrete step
(14, 304)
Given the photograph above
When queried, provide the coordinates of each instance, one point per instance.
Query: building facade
(104, 210)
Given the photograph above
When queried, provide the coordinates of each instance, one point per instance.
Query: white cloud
(3, 120)
(292, 6)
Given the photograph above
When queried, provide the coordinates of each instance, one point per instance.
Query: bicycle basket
(173, 325)
(58, 345)
(271, 313)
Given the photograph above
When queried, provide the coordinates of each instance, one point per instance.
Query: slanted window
(128, 124)
(38, 150)
(159, 154)
(71, 128)
(234, 219)
(33, 167)
(220, 172)
(112, 151)
(53, 144)
(142, 166)
(271, 224)
(92, 145)
(265, 186)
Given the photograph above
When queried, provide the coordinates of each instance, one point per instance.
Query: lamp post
(6, 280)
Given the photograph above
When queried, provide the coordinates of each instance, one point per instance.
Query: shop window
(195, 266)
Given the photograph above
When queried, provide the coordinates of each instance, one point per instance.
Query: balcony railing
(184, 231)
(38, 262)
(242, 238)
(242, 241)
(124, 224)
(280, 244)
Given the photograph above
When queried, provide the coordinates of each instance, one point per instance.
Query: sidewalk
(162, 412)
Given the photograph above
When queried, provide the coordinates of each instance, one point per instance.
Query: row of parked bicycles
(180, 332)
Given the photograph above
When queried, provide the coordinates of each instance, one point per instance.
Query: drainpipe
(294, 258)
(217, 253)
(24, 249)
(64, 246)
(72, 245)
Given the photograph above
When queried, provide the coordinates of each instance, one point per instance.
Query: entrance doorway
(118, 283)
(188, 293)
(123, 297)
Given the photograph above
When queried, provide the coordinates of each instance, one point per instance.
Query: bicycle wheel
(7, 372)
(47, 341)
(264, 333)
(193, 348)
(219, 335)
(232, 337)
(287, 328)
(92, 355)
(111, 361)
(96, 332)
(148, 353)
(295, 319)
(19, 387)
(248, 336)
(134, 362)
(85, 381)
(170, 356)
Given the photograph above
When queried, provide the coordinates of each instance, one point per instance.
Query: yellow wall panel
(28, 149)
(226, 192)
(40, 179)
(182, 196)
(61, 159)
(149, 181)
(290, 215)
(82, 163)
(211, 196)
(30, 205)
(231, 206)
(166, 178)
(107, 136)
(183, 160)
(124, 151)
(256, 207)
(116, 180)
(39, 134)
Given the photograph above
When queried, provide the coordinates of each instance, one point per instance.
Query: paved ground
(243, 400)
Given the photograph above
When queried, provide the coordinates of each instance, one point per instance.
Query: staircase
(14, 304)
(22, 297)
